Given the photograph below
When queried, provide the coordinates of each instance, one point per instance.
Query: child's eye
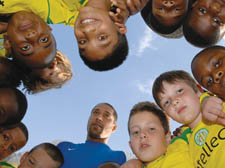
(82, 42)
(180, 91)
(25, 47)
(31, 161)
(44, 40)
(135, 133)
(151, 129)
(218, 63)
(102, 37)
(166, 103)
(209, 82)
(202, 10)
(217, 20)
(177, 9)
(5, 137)
(161, 9)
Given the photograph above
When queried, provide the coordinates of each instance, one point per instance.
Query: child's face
(96, 34)
(30, 39)
(169, 12)
(37, 159)
(209, 68)
(10, 141)
(8, 104)
(180, 102)
(208, 18)
(148, 140)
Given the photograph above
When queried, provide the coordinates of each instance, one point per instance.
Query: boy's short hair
(14, 76)
(52, 151)
(114, 111)
(171, 77)
(116, 58)
(22, 107)
(35, 84)
(151, 108)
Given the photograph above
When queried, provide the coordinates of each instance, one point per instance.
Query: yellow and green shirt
(177, 154)
(2, 49)
(207, 144)
(206, 95)
(4, 164)
(52, 11)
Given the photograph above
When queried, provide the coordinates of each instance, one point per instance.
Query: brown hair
(151, 108)
(171, 77)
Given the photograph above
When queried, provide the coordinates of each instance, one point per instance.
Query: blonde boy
(177, 94)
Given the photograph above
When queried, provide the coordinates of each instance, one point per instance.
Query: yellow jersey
(177, 154)
(52, 11)
(207, 144)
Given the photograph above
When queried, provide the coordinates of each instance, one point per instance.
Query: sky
(62, 114)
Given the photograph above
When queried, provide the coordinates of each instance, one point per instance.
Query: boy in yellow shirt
(177, 94)
(150, 140)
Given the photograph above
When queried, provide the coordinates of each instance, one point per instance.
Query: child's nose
(218, 76)
(168, 3)
(31, 34)
(90, 28)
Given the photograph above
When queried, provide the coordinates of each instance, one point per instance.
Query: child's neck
(196, 121)
(102, 4)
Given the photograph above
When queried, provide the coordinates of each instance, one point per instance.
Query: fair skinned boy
(177, 94)
(149, 138)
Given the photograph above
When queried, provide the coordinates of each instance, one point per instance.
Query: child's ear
(7, 44)
(121, 27)
(130, 145)
(168, 138)
(23, 157)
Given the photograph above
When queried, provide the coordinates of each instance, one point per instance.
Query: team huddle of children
(29, 56)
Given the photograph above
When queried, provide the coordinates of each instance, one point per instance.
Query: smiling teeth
(88, 21)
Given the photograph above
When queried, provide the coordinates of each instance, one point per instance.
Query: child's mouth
(88, 21)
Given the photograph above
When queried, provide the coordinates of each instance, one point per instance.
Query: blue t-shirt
(89, 154)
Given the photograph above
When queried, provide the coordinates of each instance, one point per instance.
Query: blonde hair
(35, 84)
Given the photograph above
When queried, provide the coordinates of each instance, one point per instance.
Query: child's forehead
(143, 116)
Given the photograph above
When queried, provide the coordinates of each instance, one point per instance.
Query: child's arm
(212, 111)
(135, 6)
(133, 163)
